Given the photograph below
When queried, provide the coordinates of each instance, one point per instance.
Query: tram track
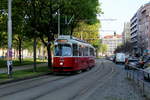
(70, 83)
(98, 83)
(42, 83)
(24, 89)
(21, 82)
(93, 86)
(67, 84)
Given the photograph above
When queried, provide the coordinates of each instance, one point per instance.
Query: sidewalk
(23, 67)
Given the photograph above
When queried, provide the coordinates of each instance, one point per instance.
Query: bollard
(127, 74)
(130, 76)
(137, 79)
(143, 90)
(133, 75)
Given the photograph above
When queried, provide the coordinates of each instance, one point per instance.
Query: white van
(120, 58)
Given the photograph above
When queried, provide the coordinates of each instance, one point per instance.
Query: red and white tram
(71, 54)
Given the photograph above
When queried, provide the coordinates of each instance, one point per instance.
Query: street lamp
(58, 22)
(9, 51)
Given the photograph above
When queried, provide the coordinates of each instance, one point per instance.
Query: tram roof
(73, 40)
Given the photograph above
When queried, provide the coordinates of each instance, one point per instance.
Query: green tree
(38, 18)
(103, 48)
(81, 10)
(45, 22)
(3, 28)
(88, 33)
(41, 22)
(18, 26)
(126, 48)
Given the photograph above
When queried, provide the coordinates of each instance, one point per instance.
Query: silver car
(146, 70)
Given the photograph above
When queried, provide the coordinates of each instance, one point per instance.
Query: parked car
(107, 57)
(119, 58)
(131, 63)
(147, 71)
(143, 61)
(112, 58)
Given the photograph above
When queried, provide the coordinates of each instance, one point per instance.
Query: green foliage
(81, 10)
(126, 47)
(3, 29)
(3, 21)
(3, 38)
(18, 20)
(88, 33)
(3, 4)
(38, 18)
(103, 48)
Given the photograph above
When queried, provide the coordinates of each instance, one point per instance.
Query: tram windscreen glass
(63, 50)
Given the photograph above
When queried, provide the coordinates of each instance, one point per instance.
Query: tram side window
(80, 50)
(92, 52)
(85, 53)
(75, 50)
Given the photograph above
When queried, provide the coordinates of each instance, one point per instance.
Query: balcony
(134, 40)
(133, 25)
(134, 36)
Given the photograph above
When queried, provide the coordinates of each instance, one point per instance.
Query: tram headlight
(61, 63)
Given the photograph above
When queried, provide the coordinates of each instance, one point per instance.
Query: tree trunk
(34, 54)
(22, 54)
(49, 55)
(71, 30)
(43, 52)
(96, 53)
(20, 45)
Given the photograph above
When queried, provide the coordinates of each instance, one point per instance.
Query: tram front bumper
(56, 69)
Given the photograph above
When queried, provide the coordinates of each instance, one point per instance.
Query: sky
(119, 10)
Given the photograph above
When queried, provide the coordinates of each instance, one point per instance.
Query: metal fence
(137, 75)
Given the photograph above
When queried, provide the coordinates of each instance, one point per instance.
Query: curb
(24, 78)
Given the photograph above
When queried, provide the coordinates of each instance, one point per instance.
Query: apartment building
(144, 27)
(112, 41)
(126, 32)
(140, 29)
(134, 31)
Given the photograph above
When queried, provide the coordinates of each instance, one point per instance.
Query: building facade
(112, 41)
(144, 27)
(140, 29)
(126, 33)
(134, 31)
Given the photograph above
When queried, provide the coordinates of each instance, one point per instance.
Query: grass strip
(3, 62)
(24, 73)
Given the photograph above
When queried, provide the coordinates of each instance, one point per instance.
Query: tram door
(76, 56)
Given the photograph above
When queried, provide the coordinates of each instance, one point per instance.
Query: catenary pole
(58, 22)
(9, 51)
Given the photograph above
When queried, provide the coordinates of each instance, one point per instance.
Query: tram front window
(63, 50)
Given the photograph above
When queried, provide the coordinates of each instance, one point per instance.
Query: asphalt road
(105, 81)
